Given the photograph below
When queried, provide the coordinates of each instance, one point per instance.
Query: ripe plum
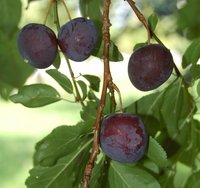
(150, 66)
(123, 137)
(38, 45)
(77, 38)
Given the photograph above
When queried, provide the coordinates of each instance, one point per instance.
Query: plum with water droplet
(38, 45)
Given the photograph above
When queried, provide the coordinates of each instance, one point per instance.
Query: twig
(67, 10)
(48, 10)
(141, 18)
(150, 32)
(107, 80)
(77, 93)
(120, 97)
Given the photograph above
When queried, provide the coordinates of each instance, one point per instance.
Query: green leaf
(176, 110)
(92, 9)
(62, 141)
(139, 45)
(5, 90)
(188, 21)
(57, 61)
(108, 105)
(114, 54)
(93, 80)
(195, 72)
(198, 88)
(11, 11)
(121, 175)
(168, 109)
(192, 148)
(192, 53)
(99, 173)
(92, 96)
(62, 80)
(193, 181)
(88, 112)
(36, 95)
(156, 153)
(14, 71)
(148, 108)
(83, 87)
(152, 21)
(66, 172)
(150, 165)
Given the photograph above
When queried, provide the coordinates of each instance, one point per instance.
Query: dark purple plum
(150, 66)
(77, 38)
(38, 45)
(123, 137)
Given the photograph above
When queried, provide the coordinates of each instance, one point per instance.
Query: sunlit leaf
(125, 176)
(93, 80)
(88, 112)
(62, 80)
(114, 54)
(36, 95)
(152, 21)
(64, 172)
(83, 87)
(192, 53)
(62, 141)
(5, 90)
(156, 153)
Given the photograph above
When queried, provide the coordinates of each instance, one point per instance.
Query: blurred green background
(21, 127)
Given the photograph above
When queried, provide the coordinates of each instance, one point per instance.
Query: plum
(150, 66)
(77, 38)
(38, 45)
(123, 137)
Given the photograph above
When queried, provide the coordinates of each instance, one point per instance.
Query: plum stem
(120, 97)
(107, 83)
(77, 95)
(150, 32)
(56, 17)
(48, 10)
(66, 8)
(141, 18)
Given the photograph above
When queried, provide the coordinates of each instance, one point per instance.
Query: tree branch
(149, 31)
(107, 81)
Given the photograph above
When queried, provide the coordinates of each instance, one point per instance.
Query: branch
(107, 81)
(141, 18)
(149, 31)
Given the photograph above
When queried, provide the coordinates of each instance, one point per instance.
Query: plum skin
(150, 66)
(77, 38)
(38, 45)
(123, 137)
